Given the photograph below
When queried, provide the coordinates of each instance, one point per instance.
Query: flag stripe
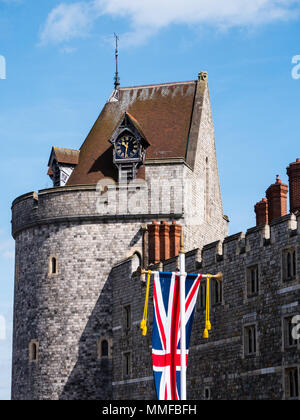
(193, 292)
(174, 333)
(166, 330)
(157, 313)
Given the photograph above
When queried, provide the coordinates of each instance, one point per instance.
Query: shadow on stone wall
(91, 378)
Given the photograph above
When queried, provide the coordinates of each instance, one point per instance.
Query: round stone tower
(69, 237)
(62, 308)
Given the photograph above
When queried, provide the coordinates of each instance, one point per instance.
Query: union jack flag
(166, 330)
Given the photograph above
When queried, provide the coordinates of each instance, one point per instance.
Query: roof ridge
(158, 85)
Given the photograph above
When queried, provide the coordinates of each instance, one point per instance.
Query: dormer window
(61, 165)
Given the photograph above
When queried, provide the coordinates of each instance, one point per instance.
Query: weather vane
(117, 80)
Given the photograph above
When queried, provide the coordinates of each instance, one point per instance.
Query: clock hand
(126, 147)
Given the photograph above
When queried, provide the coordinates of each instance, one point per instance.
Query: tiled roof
(67, 156)
(164, 114)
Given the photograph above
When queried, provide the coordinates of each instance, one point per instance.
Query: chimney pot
(175, 236)
(293, 171)
(261, 210)
(164, 237)
(277, 200)
(154, 243)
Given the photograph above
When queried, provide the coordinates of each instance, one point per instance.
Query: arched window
(53, 265)
(136, 261)
(103, 348)
(289, 264)
(33, 351)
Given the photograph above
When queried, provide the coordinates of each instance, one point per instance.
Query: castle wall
(219, 367)
(68, 312)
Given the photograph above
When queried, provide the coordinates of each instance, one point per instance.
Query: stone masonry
(219, 368)
(67, 312)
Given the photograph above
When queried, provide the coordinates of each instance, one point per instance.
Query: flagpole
(182, 321)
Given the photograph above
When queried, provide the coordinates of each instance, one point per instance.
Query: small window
(33, 351)
(292, 383)
(207, 393)
(250, 340)
(252, 281)
(288, 326)
(127, 317)
(126, 365)
(289, 264)
(217, 292)
(202, 296)
(104, 348)
(53, 265)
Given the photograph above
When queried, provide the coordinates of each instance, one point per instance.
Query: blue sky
(59, 73)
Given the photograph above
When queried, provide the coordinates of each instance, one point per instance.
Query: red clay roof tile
(164, 114)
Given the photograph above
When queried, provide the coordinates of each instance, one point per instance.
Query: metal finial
(117, 79)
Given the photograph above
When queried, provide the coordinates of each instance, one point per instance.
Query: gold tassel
(207, 321)
(143, 324)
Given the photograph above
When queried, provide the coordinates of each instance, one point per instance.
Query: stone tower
(149, 157)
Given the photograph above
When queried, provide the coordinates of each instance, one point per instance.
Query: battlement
(254, 241)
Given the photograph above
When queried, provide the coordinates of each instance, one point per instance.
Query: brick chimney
(163, 241)
(261, 210)
(164, 236)
(293, 172)
(277, 199)
(175, 235)
(154, 242)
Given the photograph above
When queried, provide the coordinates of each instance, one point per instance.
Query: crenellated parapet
(254, 241)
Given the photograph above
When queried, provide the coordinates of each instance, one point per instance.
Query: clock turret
(129, 148)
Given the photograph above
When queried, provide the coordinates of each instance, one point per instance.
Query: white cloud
(146, 17)
(67, 21)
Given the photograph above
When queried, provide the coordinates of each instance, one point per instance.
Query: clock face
(127, 147)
